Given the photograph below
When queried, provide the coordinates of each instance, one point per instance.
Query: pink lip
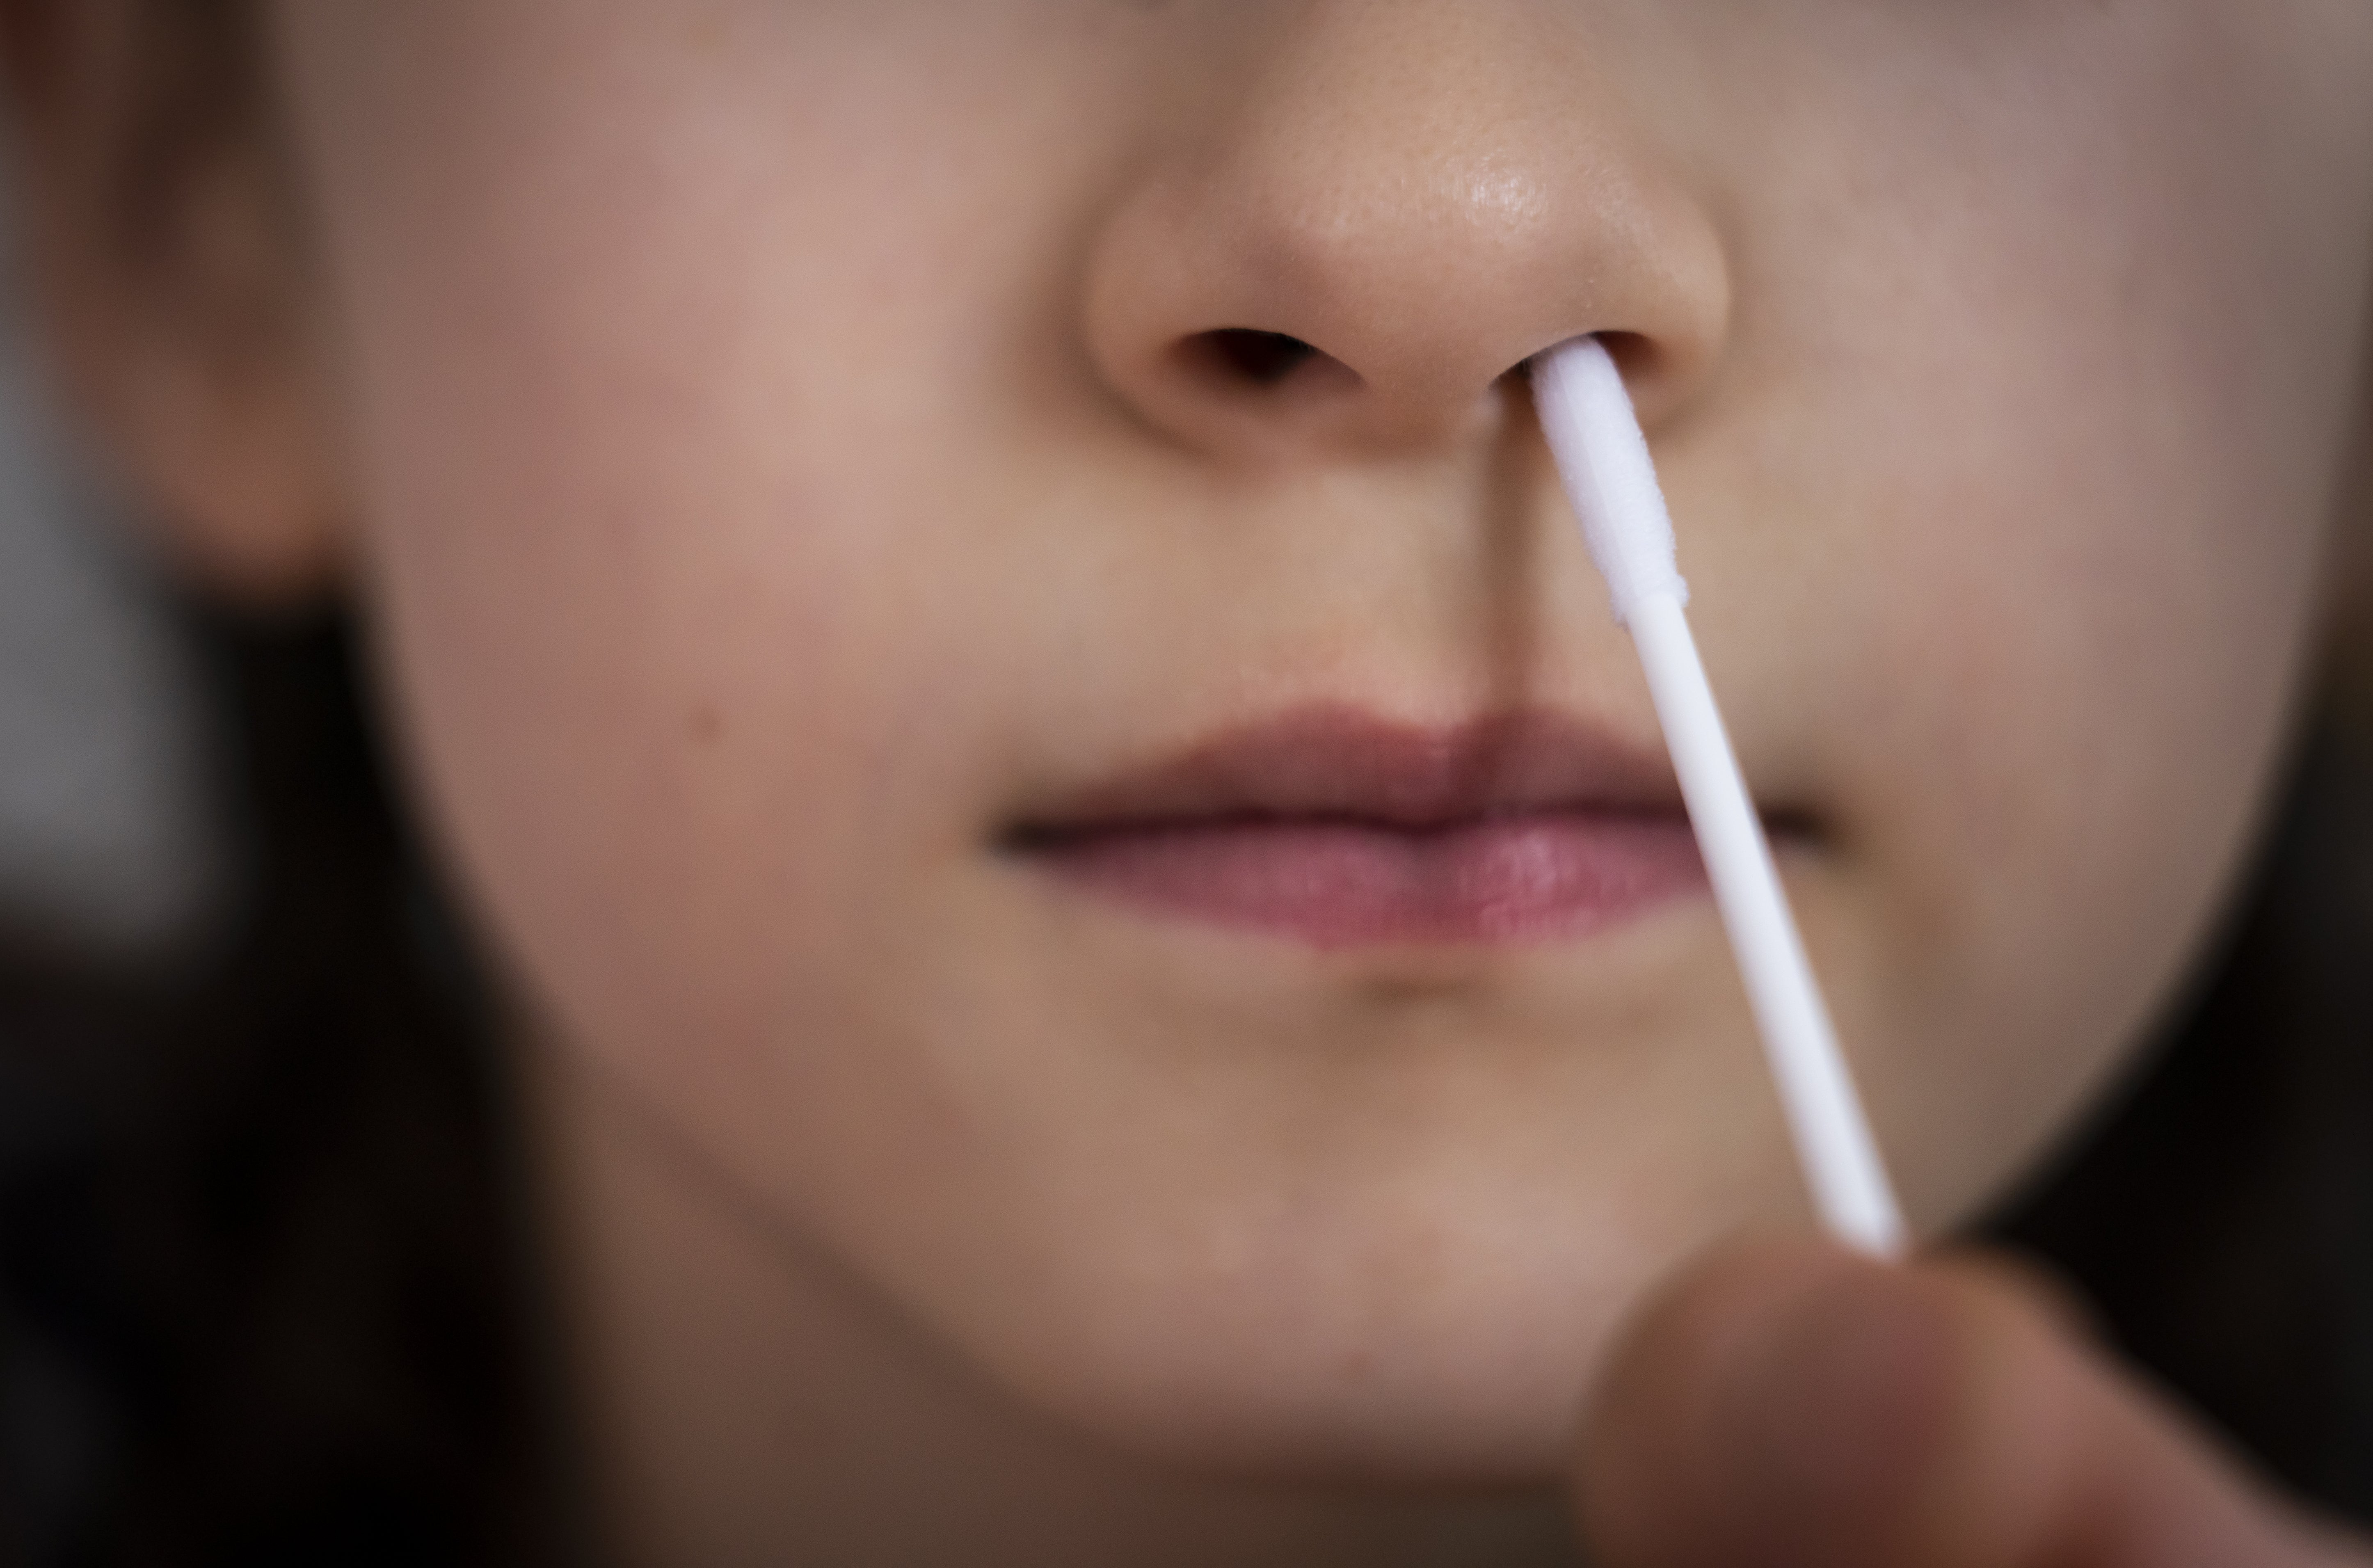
(1340, 829)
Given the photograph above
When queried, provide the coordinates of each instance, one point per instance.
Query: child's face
(796, 501)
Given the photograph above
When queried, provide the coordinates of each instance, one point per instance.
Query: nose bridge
(1425, 193)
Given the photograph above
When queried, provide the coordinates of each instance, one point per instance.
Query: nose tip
(1389, 225)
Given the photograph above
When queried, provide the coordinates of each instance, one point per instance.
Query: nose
(1401, 204)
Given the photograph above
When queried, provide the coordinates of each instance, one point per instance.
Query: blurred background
(112, 835)
(264, 1261)
(115, 854)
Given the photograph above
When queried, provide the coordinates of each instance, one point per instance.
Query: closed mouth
(1330, 825)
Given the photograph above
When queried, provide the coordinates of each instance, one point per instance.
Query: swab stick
(1603, 458)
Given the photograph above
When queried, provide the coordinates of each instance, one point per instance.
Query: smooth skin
(767, 442)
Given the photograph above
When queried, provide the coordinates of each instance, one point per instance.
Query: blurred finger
(1790, 1403)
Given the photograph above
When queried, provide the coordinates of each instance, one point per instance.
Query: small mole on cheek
(707, 726)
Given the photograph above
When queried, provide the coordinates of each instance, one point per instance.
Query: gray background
(110, 837)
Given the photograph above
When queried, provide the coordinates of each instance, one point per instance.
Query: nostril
(1242, 354)
(1634, 354)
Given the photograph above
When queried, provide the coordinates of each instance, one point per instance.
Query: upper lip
(1340, 763)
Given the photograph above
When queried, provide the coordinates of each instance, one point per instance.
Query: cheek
(662, 702)
(2049, 424)
(691, 719)
(678, 605)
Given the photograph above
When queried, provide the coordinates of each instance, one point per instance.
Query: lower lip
(1520, 878)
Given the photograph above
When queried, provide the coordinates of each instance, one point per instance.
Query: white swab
(1603, 458)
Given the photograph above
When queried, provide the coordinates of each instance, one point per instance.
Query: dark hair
(268, 1283)
(199, 83)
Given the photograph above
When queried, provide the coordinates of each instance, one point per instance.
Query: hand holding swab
(1587, 417)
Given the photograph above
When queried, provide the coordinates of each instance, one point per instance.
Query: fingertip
(2021, 1287)
(1781, 1401)
(1786, 1402)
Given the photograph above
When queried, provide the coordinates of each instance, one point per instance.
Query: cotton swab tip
(1586, 415)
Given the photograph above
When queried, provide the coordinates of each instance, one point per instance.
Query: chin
(1418, 1358)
